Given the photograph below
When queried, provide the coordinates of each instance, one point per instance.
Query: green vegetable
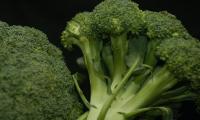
(35, 84)
(137, 61)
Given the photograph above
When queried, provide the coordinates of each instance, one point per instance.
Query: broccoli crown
(35, 84)
(3, 24)
(146, 59)
(117, 16)
(174, 44)
(80, 25)
(182, 57)
(162, 25)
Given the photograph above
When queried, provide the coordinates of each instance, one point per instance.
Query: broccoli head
(117, 16)
(162, 25)
(35, 83)
(138, 61)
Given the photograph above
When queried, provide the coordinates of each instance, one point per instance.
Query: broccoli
(35, 83)
(138, 62)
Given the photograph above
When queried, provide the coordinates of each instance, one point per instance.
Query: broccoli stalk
(133, 59)
(91, 51)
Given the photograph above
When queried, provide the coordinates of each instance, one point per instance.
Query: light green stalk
(161, 81)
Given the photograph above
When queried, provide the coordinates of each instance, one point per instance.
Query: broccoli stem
(182, 97)
(133, 87)
(150, 58)
(160, 81)
(164, 111)
(119, 47)
(97, 91)
(120, 85)
(92, 62)
(108, 59)
(82, 96)
(83, 116)
(97, 80)
(175, 92)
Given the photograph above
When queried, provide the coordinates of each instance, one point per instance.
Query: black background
(51, 16)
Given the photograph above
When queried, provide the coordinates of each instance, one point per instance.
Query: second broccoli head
(35, 83)
(137, 61)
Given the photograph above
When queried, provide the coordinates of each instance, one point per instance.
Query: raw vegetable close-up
(133, 64)
(138, 62)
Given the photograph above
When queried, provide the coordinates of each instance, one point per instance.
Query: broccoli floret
(117, 17)
(137, 61)
(78, 27)
(35, 84)
(162, 25)
(3, 24)
(175, 51)
(79, 32)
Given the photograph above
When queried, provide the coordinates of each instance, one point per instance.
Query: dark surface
(51, 16)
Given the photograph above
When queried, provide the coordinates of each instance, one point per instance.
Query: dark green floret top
(162, 25)
(182, 56)
(35, 83)
(117, 16)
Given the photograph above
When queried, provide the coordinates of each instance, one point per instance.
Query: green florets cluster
(117, 17)
(35, 84)
(162, 25)
(174, 51)
(138, 61)
(82, 21)
(167, 47)
(140, 64)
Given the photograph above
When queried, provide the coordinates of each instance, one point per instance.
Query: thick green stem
(120, 85)
(133, 87)
(108, 59)
(93, 65)
(164, 111)
(113, 114)
(119, 47)
(176, 99)
(150, 58)
(83, 116)
(174, 92)
(161, 81)
(175, 95)
(98, 96)
(96, 76)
